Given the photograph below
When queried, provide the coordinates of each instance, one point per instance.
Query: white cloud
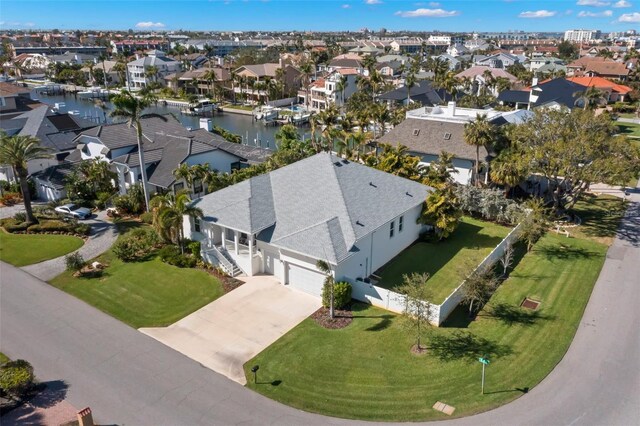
(594, 3)
(149, 24)
(434, 4)
(630, 17)
(427, 13)
(346, 6)
(538, 14)
(604, 14)
(622, 3)
(373, 1)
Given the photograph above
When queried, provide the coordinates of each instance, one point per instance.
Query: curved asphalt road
(129, 378)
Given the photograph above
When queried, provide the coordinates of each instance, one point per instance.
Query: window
(391, 228)
(197, 225)
(400, 223)
(178, 187)
(197, 186)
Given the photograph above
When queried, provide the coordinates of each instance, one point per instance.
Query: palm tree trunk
(143, 170)
(478, 166)
(26, 195)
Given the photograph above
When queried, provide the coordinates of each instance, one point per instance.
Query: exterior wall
(7, 103)
(464, 168)
(217, 160)
(39, 165)
(47, 193)
(377, 248)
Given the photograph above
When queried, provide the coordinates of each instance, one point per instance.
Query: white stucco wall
(464, 168)
(377, 248)
(217, 160)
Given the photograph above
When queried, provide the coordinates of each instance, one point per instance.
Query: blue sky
(221, 15)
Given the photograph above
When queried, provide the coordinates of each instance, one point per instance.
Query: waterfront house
(354, 217)
(325, 91)
(138, 70)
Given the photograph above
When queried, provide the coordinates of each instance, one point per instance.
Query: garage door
(306, 280)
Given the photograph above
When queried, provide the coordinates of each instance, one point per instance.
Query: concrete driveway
(236, 327)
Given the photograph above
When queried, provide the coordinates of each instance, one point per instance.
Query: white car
(74, 211)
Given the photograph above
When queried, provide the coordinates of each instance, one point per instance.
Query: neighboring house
(388, 69)
(422, 93)
(72, 58)
(454, 63)
(55, 131)
(139, 44)
(612, 91)
(137, 70)
(536, 63)
(112, 76)
(499, 60)
(429, 131)
(403, 59)
(167, 145)
(185, 80)
(324, 91)
(262, 73)
(9, 94)
(51, 182)
(551, 69)
(477, 74)
(348, 61)
(457, 49)
(555, 94)
(598, 67)
(276, 223)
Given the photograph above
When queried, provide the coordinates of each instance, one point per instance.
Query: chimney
(205, 123)
(534, 82)
(451, 106)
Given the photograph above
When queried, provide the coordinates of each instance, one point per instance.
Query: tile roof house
(352, 216)
(429, 131)
(615, 92)
(167, 145)
(556, 93)
(264, 72)
(598, 66)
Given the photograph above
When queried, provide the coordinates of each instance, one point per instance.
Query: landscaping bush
(341, 295)
(20, 217)
(10, 198)
(74, 261)
(126, 249)
(171, 254)
(102, 198)
(16, 378)
(11, 225)
(82, 229)
(136, 245)
(147, 217)
(194, 248)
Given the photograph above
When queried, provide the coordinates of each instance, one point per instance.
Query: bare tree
(478, 288)
(506, 260)
(417, 311)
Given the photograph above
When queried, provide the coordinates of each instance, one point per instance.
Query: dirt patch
(530, 304)
(341, 319)
(418, 350)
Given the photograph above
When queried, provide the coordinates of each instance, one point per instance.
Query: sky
(319, 15)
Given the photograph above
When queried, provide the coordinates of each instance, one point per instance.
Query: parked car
(74, 211)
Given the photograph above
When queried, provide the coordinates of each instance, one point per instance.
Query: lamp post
(254, 370)
(484, 362)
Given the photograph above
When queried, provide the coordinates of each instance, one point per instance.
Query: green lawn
(149, 293)
(26, 249)
(366, 370)
(3, 358)
(600, 217)
(447, 261)
(629, 129)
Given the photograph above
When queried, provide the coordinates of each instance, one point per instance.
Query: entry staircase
(219, 256)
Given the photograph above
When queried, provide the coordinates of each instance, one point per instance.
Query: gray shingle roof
(422, 92)
(319, 207)
(430, 137)
(133, 160)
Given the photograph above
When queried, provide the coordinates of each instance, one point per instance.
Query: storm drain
(530, 304)
(441, 406)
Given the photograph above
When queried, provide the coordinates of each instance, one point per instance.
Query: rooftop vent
(345, 161)
(407, 194)
(337, 164)
(447, 136)
(359, 223)
(416, 132)
(372, 184)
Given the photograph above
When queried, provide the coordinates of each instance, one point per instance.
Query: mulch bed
(228, 283)
(530, 304)
(342, 318)
(422, 350)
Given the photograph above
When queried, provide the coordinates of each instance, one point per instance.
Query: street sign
(484, 361)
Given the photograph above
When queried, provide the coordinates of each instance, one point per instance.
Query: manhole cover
(530, 304)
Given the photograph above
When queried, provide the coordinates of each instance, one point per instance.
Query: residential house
(421, 93)
(454, 63)
(325, 91)
(134, 45)
(480, 76)
(535, 63)
(112, 75)
(558, 93)
(598, 67)
(349, 61)
(429, 131)
(457, 49)
(194, 81)
(8, 94)
(167, 145)
(138, 69)
(499, 60)
(612, 91)
(262, 73)
(277, 224)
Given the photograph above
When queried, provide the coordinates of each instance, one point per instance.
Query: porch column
(236, 241)
(251, 246)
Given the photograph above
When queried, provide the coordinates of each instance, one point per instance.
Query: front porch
(233, 250)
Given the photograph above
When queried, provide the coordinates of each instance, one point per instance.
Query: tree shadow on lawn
(385, 319)
(462, 345)
(562, 251)
(511, 315)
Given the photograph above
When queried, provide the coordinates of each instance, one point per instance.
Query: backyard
(148, 293)
(446, 261)
(366, 370)
(26, 249)
(629, 129)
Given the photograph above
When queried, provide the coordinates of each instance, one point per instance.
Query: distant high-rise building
(581, 36)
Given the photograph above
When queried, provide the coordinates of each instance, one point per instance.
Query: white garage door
(306, 280)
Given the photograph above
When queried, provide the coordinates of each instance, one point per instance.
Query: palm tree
(102, 58)
(152, 72)
(410, 83)
(17, 151)
(131, 108)
(479, 132)
(592, 97)
(169, 211)
(210, 77)
(508, 170)
(90, 65)
(306, 69)
(341, 86)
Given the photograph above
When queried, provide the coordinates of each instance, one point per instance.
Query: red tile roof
(601, 83)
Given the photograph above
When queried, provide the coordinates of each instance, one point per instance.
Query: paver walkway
(103, 235)
(47, 408)
(231, 330)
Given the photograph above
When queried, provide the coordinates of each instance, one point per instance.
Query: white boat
(201, 107)
(300, 118)
(94, 92)
(266, 113)
(58, 106)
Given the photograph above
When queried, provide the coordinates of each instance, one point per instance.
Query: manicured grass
(149, 293)
(629, 129)
(366, 370)
(600, 217)
(3, 358)
(26, 249)
(446, 261)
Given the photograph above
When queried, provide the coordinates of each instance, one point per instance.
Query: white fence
(392, 301)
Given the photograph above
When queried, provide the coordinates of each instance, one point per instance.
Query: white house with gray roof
(354, 217)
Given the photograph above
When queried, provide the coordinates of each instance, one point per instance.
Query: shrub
(74, 261)
(147, 217)
(102, 198)
(82, 229)
(10, 225)
(194, 248)
(126, 249)
(20, 217)
(171, 254)
(16, 378)
(10, 198)
(341, 295)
